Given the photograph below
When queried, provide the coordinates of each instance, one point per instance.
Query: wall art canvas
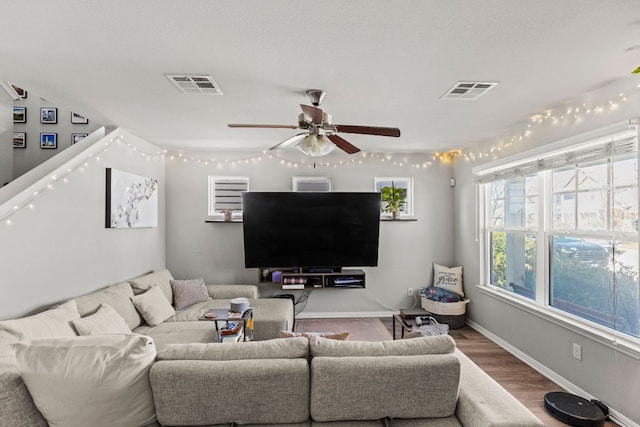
(131, 200)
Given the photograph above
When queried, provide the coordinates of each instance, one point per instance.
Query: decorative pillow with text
(449, 278)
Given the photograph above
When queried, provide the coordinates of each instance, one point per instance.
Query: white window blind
(624, 145)
(225, 193)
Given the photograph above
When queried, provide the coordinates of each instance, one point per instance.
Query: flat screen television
(311, 230)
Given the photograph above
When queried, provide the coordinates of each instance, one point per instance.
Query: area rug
(360, 329)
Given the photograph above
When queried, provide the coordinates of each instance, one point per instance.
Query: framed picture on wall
(77, 137)
(19, 140)
(21, 92)
(77, 119)
(19, 114)
(49, 140)
(48, 115)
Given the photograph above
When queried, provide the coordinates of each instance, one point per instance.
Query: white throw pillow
(55, 322)
(449, 278)
(153, 306)
(90, 381)
(104, 321)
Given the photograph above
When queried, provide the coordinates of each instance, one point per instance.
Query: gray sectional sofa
(293, 382)
(193, 380)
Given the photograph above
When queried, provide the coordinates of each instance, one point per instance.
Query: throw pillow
(104, 321)
(153, 306)
(341, 336)
(449, 278)
(90, 381)
(55, 322)
(188, 292)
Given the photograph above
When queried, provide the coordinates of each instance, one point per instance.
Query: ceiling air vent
(468, 90)
(195, 84)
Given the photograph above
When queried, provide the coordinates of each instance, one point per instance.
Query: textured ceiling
(381, 62)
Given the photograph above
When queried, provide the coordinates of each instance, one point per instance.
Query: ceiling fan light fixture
(316, 145)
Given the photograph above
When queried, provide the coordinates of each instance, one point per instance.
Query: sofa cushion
(343, 336)
(365, 384)
(211, 392)
(197, 310)
(16, 405)
(117, 296)
(279, 348)
(180, 333)
(55, 322)
(188, 292)
(441, 344)
(162, 278)
(104, 321)
(153, 306)
(110, 369)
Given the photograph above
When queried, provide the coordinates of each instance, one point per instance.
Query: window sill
(629, 346)
(382, 218)
(222, 220)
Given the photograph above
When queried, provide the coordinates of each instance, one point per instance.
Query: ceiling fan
(320, 134)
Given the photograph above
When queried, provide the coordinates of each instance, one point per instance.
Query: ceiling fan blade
(343, 144)
(368, 130)
(290, 141)
(314, 113)
(240, 125)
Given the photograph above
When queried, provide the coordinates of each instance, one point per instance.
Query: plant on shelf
(395, 199)
(227, 214)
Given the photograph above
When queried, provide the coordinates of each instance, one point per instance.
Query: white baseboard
(615, 416)
(344, 314)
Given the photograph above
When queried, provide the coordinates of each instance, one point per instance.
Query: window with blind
(576, 212)
(225, 194)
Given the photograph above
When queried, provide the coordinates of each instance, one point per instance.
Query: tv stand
(296, 278)
(322, 270)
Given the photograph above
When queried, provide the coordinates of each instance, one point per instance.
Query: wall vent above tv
(312, 183)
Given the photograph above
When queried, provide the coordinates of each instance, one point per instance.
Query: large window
(576, 212)
(512, 234)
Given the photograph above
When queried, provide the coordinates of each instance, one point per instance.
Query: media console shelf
(294, 279)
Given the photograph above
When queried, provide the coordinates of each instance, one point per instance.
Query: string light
(354, 160)
(575, 113)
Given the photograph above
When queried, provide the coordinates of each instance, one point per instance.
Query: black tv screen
(311, 230)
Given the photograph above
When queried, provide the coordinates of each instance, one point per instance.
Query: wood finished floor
(518, 378)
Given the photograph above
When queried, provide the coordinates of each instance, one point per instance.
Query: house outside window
(562, 233)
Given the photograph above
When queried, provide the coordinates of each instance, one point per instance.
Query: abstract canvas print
(132, 200)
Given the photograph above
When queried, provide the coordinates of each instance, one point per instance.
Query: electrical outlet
(577, 351)
(410, 292)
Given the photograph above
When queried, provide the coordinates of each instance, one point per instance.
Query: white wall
(60, 248)
(407, 249)
(6, 138)
(604, 373)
